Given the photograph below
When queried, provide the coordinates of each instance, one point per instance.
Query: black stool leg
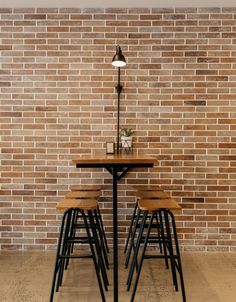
(101, 239)
(130, 228)
(57, 256)
(142, 258)
(64, 250)
(163, 240)
(101, 264)
(131, 245)
(103, 230)
(93, 252)
(170, 248)
(71, 236)
(178, 256)
(136, 250)
(158, 233)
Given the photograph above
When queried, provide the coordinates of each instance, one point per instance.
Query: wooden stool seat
(147, 188)
(86, 188)
(156, 204)
(152, 194)
(82, 204)
(83, 194)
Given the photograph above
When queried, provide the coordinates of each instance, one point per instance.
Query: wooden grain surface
(83, 204)
(101, 158)
(155, 204)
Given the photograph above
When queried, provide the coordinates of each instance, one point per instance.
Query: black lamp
(118, 61)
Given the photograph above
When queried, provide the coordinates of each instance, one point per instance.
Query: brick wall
(58, 100)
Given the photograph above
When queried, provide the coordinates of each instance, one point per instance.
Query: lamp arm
(118, 90)
(118, 87)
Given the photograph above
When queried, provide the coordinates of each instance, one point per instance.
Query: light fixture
(118, 61)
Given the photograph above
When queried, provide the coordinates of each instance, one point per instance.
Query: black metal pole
(115, 233)
(118, 90)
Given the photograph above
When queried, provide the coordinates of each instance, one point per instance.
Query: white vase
(126, 141)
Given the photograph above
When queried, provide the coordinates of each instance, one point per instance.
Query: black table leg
(115, 233)
(118, 170)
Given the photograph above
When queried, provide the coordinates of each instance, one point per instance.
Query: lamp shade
(118, 59)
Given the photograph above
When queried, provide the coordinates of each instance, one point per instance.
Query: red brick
(58, 100)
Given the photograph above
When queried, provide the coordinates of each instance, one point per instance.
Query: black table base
(117, 171)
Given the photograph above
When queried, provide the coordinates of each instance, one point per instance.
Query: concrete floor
(26, 277)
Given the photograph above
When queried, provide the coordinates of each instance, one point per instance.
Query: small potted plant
(126, 136)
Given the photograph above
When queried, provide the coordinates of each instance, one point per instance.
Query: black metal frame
(67, 239)
(117, 170)
(134, 225)
(76, 225)
(130, 231)
(102, 230)
(118, 91)
(173, 255)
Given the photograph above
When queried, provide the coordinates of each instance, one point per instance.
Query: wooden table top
(102, 158)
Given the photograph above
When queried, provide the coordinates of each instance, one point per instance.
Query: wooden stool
(149, 208)
(88, 210)
(149, 194)
(94, 193)
(138, 188)
(75, 224)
